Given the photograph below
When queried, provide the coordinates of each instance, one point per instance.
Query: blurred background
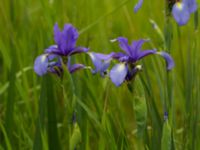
(38, 112)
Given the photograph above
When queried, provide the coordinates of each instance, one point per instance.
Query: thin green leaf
(51, 111)
(75, 138)
(38, 145)
(166, 142)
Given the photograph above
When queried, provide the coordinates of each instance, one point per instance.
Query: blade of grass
(103, 17)
(38, 145)
(53, 138)
(7, 142)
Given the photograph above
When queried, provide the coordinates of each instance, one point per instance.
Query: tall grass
(83, 111)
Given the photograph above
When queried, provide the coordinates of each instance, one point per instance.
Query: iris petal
(57, 34)
(136, 47)
(191, 4)
(118, 73)
(70, 36)
(41, 65)
(104, 56)
(75, 67)
(119, 55)
(123, 43)
(53, 49)
(138, 6)
(169, 60)
(101, 62)
(146, 53)
(66, 39)
(181, 13)
(78, 50)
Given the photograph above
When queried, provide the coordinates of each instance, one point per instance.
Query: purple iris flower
(181, 11)
(127, 68)
(138, 6)
(51, 60)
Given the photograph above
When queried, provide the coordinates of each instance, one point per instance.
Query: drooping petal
(180, 13)
(191, 4)
(41, 64)
(78, 50)
(136, 47)
(104, 67)
(54, 60)
(118, 73)
(138, 6)
(124, 59)
(145, 53)
(75, 67)
(105, 56)
(123, 43)
(101, 62)
(96, 61)
(169, 60)
(119, 55)
(53, 49)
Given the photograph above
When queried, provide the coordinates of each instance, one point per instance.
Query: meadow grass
(37, 112)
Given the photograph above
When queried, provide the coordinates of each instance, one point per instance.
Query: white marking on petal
(139, 67)
(121, 67)
(43, 58)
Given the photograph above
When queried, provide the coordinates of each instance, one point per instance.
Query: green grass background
(36, 112)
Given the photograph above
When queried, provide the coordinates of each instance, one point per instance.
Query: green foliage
(37, 112)
(166, 136)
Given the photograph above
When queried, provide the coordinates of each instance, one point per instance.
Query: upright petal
(145, 53)
(66, 39)
(123, 43)
(41, 64)
(57, 34)
(118, 73)
(138, 6)
(136, 47)
(169, 60)
(70, 35)
(180, 13)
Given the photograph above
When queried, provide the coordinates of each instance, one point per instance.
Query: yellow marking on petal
(179, 5)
